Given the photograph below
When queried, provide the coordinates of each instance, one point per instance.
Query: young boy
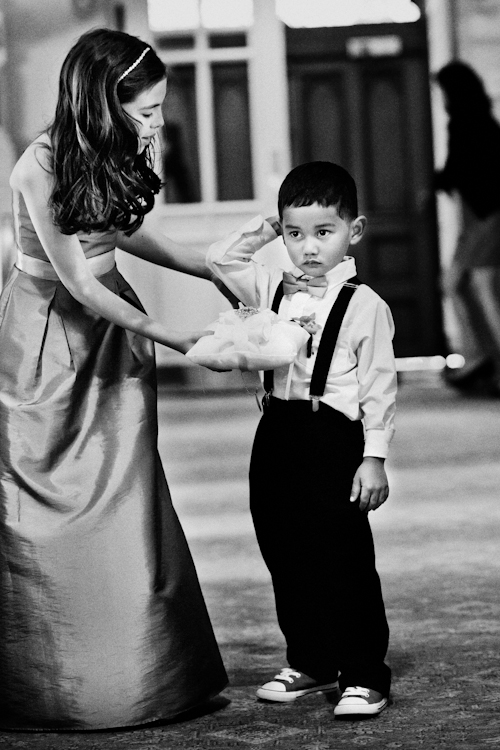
(317, 463)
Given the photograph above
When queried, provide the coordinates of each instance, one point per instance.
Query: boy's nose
(310, 246)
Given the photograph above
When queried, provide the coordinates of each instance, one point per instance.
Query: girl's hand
(184, 340)
(370, 484)
(188, 339)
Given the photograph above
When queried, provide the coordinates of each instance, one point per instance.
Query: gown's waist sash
(43, 269)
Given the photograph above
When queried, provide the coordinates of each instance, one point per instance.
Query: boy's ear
(358, 227)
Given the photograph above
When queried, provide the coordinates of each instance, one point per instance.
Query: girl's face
(145, 110)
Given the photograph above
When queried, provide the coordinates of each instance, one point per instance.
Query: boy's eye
(294, 234)
(323, 232)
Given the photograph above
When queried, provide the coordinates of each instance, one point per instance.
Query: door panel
(385, 155)
(372, 116)
(318, 111)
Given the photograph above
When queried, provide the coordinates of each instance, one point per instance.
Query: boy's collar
(342, 271)
(336, 275)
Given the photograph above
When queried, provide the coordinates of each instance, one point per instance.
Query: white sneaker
(289, 685)
(360, 701)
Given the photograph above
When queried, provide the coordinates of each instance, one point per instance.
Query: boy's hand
(370, 484)
(275, 222)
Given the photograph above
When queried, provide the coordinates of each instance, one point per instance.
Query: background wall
(38, 34)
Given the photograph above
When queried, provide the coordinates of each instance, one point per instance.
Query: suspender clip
(265, 400)
(315, 402)
(259, 406)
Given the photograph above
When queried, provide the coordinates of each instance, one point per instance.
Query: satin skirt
(102, 620)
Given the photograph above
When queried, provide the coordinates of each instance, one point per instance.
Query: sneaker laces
(359, 692)
(287, 675)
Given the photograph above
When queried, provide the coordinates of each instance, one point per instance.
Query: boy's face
(317, 239)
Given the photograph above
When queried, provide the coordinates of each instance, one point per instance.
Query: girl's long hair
(100, 179)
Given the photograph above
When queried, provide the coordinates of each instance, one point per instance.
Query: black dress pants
(318, 545)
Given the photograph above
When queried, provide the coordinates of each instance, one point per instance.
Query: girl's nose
(158, 120)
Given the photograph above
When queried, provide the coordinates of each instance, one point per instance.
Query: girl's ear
(357, 229)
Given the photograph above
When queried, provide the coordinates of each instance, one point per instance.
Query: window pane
(232, 131)
(316, 13)
(169, 42)
(179, 15)
(173, 15)
(181, 167)
(216, 41)
(226, 14)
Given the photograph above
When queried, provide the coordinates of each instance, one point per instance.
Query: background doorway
(360, 96)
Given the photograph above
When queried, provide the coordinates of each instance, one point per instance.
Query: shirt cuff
(377, 443)
(243, 243)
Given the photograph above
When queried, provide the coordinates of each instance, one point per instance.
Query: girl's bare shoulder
(33, 166)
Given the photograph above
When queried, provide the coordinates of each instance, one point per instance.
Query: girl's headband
(134, 64)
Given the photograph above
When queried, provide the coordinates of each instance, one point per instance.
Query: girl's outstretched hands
(190, 339)
(370, 484)
(184, 340)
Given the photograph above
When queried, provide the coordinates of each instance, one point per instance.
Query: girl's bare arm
(150, 244)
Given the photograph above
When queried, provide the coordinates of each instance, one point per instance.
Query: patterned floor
(438, 541)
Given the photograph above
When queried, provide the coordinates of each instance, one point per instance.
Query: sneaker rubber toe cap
(364, 703)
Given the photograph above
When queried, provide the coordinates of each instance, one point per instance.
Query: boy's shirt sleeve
(377, 378)
(231, 261)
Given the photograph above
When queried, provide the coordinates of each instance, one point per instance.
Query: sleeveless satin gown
(102, 621)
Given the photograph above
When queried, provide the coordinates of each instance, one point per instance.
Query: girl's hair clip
(134, 65)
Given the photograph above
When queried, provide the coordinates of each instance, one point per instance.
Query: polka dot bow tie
(315, 285)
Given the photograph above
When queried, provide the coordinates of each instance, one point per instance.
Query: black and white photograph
(249, 374)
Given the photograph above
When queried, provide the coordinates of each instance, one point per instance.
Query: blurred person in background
(472, 173)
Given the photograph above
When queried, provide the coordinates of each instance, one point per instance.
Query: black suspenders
(327, 344)
(269, 374)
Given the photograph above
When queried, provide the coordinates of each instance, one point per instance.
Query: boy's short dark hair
(319, 182)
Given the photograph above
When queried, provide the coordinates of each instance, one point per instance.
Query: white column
(442, 46)
(136, 18)
(205, 119)
(442, 36)
(269, 103)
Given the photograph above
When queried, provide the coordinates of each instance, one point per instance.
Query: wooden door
(360, 97)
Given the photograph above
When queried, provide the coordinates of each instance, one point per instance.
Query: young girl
(102, 619)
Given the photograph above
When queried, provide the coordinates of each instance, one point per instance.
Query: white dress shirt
(362, 377)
